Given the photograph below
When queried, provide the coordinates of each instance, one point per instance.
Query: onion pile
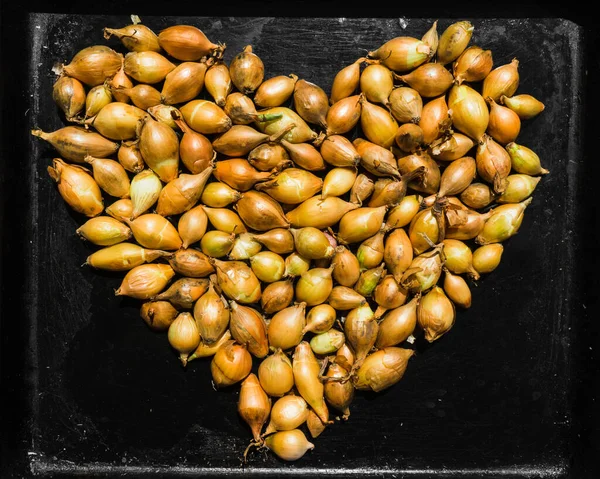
(301, 239)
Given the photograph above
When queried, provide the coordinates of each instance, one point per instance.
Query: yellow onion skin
(247, 326)
(276, 119)
(346, 266)
(69, 95)
(186, 42)
(430, 79)
(346, 81)
(237, 281)
(275, 91)
(144, 190)
(472, 65)
(277, 240)
(525, 105)
(136, 37)
(344, 298)
(212, 314)
(94, 64)
(277, 296)
(277, 379)
(429, 181)
(477, 195)
(452, 147)
(504, 222)
(159, 146)
(314, 425)
(502, 80)
(459, 258)
(402, 53)
(493, 163)
(319, 213)
(205, 350)
(77, 187)
(231, 364)
(471, 227)
(269, 267)
(362, 189)
(457, 176)
(339, 394)
(524, 160)
(260, 212)
(288, 412)
(504, 124)
(402, 214)
(436, 119)
(306, 371)
(191, 263)
(205, 116)
(184, 292)
(219, 195)
(183, 83)
(424, 271)
(405, 104)
(218, 82)
(254, 405)
(286, 327)
(376, 159)
(158, 315)
(118, 121)
(239, 174)
(370, 251)
(377, 124)
(182, 193)
(376, 83)
(288, 445)
(74, 143)
(154, 231)
(453, 41)
(311, 243)
(247, 70)
(361, 223)
(147, 66)
(292, 186)
(98, 97)
(486, 258)
(436, 314)
(192, 225)
(398, 252)
(343, 115)
(470, 112)
(361, 329)
(311, 102)
(122, 257)
(217, 243)
(369, 279)
(457, 289)
(314, 286)
(518, 188)
(145, 281)
(339, 151)
(183, 336)
(382, 369)
(320, 318)
(120, 209)
(104, 230)
(432, 38)
(397, 324)
(388, 294)
(130, 157)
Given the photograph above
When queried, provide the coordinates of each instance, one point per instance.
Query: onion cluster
(265, 221)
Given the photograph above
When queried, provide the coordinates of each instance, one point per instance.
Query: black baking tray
(89, 391)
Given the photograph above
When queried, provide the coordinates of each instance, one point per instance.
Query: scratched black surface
(493, 397)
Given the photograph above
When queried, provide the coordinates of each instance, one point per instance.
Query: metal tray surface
(105, 396)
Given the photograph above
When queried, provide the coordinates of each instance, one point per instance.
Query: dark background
(14, 331)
